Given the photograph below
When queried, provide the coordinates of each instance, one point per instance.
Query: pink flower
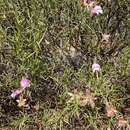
(15, 93)
(96, 10)
(24, 83)
(96, 67)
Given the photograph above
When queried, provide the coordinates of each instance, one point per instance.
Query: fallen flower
(105, 37)
(110, 111)
(83, 98)
(24, 83)
(121, 123)
(36, 107)
(89, 4)
(96, 10)
(15, 93)
(87, 98)
(96, 67)
(105, 43)
(21, 102)
(83, 2)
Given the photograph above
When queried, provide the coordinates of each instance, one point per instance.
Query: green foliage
(54, 43)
